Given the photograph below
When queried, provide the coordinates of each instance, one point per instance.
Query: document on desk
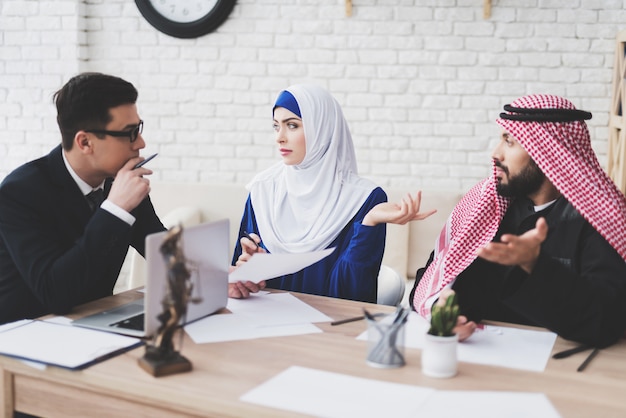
(321, 393)
(264, 266)
(510, 347)
(61, 345)
(232, 327)
(274, 309)
(261, 315)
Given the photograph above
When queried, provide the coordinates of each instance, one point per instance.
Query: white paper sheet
(488, 404)
(61, 345)
(325, 394)
(234, 327)
(61, 320)
(55, 319)
(274, 309)
(11, 325)
(496, 346)
(264, 266)
(259, 316)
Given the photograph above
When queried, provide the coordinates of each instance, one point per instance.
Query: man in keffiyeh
(541, 242)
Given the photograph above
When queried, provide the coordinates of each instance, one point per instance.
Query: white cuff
(117, 211)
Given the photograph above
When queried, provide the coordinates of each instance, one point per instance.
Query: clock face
(183, 11)
(185, 18)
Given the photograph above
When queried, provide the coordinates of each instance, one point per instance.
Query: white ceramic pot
(439, 358)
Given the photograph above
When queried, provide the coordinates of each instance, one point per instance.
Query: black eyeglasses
(131, 135)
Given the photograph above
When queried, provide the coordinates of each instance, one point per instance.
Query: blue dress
(350, 272)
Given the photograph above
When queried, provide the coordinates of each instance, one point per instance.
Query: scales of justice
(161, 357)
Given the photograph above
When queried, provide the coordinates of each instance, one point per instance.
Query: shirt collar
(545, 205)
(82, 185)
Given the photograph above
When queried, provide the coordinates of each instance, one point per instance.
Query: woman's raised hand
(407, 210)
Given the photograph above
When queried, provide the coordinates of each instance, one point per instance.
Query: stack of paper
(261, 315)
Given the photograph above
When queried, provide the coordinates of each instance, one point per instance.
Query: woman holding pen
(314, 199)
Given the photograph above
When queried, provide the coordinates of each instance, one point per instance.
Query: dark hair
(84, 102)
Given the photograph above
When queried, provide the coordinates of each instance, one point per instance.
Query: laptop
(206, 248)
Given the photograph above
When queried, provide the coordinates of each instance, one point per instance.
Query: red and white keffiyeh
(562, 150)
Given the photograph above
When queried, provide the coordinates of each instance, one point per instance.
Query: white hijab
(304, 207)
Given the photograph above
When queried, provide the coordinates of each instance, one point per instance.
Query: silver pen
(141, 163)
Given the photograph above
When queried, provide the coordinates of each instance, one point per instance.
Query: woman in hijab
(314, 199)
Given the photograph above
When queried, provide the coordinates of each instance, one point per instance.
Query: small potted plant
(439, 358)
(444, 314)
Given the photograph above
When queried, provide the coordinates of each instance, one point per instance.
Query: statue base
(165, 365)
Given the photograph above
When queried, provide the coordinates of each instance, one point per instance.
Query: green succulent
(444, 315)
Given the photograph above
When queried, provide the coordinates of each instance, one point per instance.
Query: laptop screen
(206, 248)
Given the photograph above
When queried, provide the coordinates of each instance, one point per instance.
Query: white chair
(391, 287)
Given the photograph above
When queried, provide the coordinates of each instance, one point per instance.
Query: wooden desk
(225, 371)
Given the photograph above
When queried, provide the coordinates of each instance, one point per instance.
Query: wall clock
(185, 18)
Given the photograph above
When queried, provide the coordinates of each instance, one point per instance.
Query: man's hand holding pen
(130, 187)
(249, 247)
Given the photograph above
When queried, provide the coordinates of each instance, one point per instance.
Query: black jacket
(54, 254)
(577, 288)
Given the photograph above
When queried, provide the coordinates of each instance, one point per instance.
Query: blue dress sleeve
(248, 223)
(355, 273)
(351, 271)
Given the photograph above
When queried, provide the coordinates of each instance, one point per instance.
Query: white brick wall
(421, 81)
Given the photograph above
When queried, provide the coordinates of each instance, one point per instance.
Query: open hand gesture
(513, 250)
(400, 213)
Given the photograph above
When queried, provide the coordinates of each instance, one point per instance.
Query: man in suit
(58, 247)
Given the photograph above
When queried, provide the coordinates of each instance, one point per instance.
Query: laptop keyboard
(134, 322)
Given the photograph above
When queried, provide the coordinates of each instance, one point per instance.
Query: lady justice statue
(161, 357)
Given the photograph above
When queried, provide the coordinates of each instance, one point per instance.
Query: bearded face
(526, 182)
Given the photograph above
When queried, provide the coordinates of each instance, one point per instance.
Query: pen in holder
(385, 336)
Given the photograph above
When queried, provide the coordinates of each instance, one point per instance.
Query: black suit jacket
(54, 253)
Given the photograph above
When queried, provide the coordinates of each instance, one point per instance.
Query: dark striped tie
(95, 198)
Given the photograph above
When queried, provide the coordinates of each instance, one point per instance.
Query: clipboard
(60, 345)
